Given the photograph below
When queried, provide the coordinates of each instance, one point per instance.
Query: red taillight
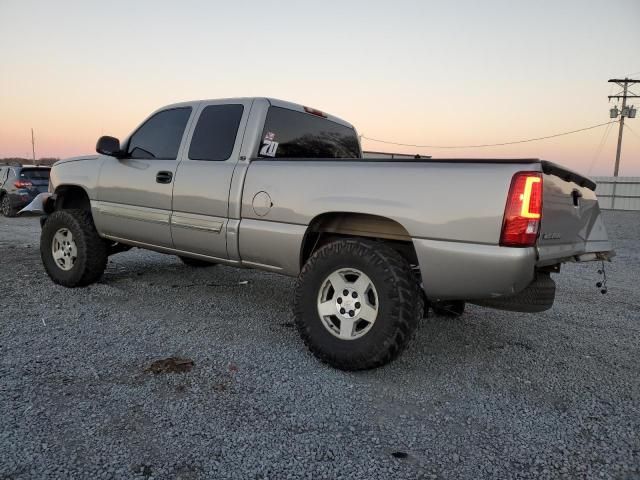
(22, 184)
(523, 212)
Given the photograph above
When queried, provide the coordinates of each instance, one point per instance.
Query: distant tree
(47, 161)
(17, 161)
(14, 161)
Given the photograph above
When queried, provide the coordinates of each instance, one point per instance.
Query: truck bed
(451, 208)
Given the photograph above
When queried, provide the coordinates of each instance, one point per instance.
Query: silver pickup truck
(263, 183)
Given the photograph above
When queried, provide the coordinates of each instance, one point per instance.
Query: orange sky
(419, 72)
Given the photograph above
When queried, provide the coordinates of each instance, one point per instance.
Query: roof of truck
(273, 101)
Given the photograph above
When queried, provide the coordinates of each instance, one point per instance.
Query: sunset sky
(419, 72)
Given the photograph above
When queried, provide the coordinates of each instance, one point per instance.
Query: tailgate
(572, 228)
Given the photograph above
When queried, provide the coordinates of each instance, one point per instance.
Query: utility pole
(625, 112)
(33, 147)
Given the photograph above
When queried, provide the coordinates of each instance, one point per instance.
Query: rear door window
(216, 131)
(159, 137)
(291, 134)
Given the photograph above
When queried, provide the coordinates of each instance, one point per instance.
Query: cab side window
(216, 131)
(159, 137)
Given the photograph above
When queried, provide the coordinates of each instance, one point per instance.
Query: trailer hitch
(602, 284)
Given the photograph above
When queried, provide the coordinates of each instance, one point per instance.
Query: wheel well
(328, 227)
(72, 196)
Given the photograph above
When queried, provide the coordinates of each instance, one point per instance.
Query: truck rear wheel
(72, 252)
(357, 304)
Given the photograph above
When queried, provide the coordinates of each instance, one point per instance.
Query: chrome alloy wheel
(348, 303)
(64, 249)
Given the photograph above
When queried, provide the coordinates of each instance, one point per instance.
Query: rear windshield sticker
(270, 136)
(269, 148)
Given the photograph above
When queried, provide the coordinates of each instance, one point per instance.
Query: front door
(134, 192)
(201, 191)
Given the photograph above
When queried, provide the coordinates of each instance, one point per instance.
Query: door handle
(164, 177)
(576, 195)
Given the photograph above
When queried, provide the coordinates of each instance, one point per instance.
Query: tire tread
(95, 249)
(407, 311)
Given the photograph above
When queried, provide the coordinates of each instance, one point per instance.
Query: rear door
(572, 224)
(134, 193)
(201, 193)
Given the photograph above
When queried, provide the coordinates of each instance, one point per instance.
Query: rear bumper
(21, 199)
(600, 250)
(467, 271)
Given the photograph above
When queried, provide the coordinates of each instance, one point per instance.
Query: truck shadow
(479, 333)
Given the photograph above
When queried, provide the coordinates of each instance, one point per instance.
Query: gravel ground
(491, 394)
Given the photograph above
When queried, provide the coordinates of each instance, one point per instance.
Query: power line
(603, 140)
(631, 130)
(489, 144)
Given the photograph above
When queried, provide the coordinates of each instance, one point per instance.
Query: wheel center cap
(348, 303)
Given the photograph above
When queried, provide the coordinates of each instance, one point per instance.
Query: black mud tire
(195, 262)
(401, 304)
(92, 250)
(450, 308)
(6, 208)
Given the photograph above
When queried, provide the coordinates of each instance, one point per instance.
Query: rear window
(36, 174)
(291, 134)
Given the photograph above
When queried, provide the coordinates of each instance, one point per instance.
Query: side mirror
(108, 146)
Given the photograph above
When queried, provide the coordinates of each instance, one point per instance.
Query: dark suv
(20, 185)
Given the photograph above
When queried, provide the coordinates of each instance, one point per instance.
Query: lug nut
(357, 304)
(352, 313)
(354, 294)
(339, 300)
(345, 292)
(342, 310)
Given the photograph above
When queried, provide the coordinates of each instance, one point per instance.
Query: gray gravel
(492, 394)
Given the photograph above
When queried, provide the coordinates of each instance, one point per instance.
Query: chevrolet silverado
(263, 183)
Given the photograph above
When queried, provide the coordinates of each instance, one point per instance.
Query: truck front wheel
(72, 252)
(357, 304)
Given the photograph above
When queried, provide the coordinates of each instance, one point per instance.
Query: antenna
(33, 147)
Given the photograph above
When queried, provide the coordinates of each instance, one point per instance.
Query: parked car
(262, 183)
(20, 185)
